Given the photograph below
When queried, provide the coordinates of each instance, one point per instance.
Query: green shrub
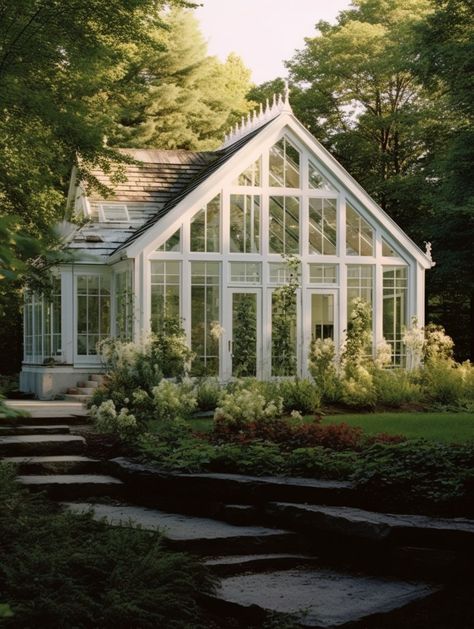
(246, 405)
(319, 462)
(299, 395)
(322, 367)
(395, 387)
(60, 569)
(357, 388)
(173, 400)
(106, 419)
(208, 394)
(416, 473)
(447, 383)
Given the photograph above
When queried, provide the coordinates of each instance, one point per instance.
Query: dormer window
(114, 213)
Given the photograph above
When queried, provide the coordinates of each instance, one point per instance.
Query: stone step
(240, 514)
(319, 597)
(237, 564)
(39, 429)
(76, 397)
(71, 420)
(67, 464)
(85, 390)
(393, 529)
(189, 533)
(73, 486)
(41, 445)
(91, 384)
(194, 489)
(97, 377)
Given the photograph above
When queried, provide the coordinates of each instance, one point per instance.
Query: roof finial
(286, 99)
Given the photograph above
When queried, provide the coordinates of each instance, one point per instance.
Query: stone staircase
(84, 389)
(297, 546)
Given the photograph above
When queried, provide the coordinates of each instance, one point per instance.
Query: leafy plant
(284, 322)
(173, 400)
(299, 395)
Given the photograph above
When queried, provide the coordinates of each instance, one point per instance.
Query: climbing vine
(284, 308)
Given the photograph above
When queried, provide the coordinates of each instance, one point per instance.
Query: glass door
(323, 316)
(92, 315)
(244, 345)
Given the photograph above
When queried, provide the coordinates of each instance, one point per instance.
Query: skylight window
(114, 213)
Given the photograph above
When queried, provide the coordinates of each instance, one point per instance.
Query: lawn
(446, 427)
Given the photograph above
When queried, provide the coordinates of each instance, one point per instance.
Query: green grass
(445, 427)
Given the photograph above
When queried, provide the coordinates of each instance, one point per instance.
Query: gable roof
(219, 159)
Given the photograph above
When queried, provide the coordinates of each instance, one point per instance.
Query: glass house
(205, 237)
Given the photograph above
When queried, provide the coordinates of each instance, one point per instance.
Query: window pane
(316, 179)
(322, 226)
(284, 225)
(205, 227)
(323, 273)
(284, 164)
(395, 293)
(244, 223)
(387, 250)
(165, 291)
(244, 334)
(359, 285)
(246, 272)
(359, 234)
(205, 295)
(322, 316)
(250, 176)
(283, 334)
(173, 243)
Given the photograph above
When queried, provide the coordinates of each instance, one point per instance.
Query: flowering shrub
(395, 387)
(106, 419)
(246, 405)
(438, 346)
(208, 393)
(172, 400)
(299, 395)
(322, 367)
(414, 340)
(357, 387)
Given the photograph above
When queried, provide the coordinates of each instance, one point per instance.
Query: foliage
(449, 384)
(172, 400)
(170, 350)
(320, 462)
(299, 395)
(357, 387)
(91, 574)
(322, 367)
(396, 387)
(416, 472)
(284, 322)
(246, 405)
(208, 393)
(414, 339)
(437, 345)
(244, 336)
(107, 420)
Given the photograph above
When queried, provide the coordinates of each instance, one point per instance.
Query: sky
(263, 32)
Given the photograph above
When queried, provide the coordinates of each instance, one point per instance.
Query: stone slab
(44, 409)
(321, 598)
(68, 479)
(40, 429)
(173, 525)
(230, 488)
(40, 445)
(395, 528)
(55, 464)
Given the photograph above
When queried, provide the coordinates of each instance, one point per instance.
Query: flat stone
(231, 488)
(262, 562)
(348, 521)
(48, 409)
(55, 464)
(39, 445)
(321, 598)
(187, 532)
(40, 429)
(68, 479)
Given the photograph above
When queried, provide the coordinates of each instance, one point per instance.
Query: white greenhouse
(205, 237)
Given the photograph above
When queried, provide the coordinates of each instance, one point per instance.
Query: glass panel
(250, 176)
(205, 334)
(283, 334)
(165, 291)
(322, 316)
(322, 226)
(284, 164)
(323, 273)
(284, 225)
(316, 179)
(280, 273)
(115, 213)
(93, 312)
(205, 227)
(387, 249)
(173, 243)
(359, 234)
(246, 272)
(395, 292)
(244, 228)
(244, 334)
(359, 284)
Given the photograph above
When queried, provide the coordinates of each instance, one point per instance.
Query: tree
(188, 99)
(445, 63)
(355, 91)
